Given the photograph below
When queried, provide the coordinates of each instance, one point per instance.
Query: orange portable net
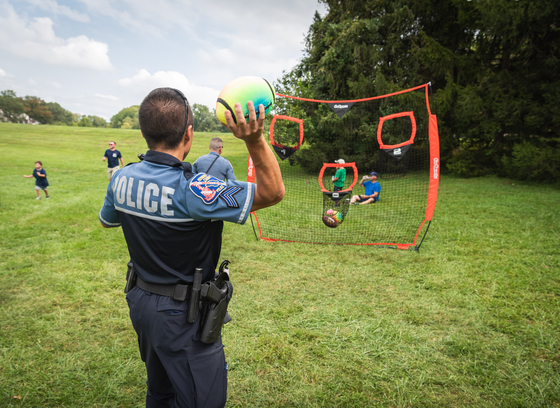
(393, 135)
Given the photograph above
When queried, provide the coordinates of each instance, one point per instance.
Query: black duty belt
(178, 292)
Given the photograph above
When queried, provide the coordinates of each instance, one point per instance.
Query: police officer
(213, 164)
(172, 221)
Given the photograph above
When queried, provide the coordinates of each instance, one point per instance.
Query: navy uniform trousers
(182, 371)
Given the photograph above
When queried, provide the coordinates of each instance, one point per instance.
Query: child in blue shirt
(41, 182)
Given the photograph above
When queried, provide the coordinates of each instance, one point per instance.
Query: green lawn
(473, 320)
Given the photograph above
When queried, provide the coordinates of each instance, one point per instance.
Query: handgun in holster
(130, 277)
(215, 296)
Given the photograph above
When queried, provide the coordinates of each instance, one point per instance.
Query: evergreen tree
(493, 66)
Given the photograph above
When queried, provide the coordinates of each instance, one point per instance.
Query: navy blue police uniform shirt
(40, 181)
(113, 157)
(172, 220)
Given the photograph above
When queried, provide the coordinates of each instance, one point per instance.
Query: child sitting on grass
(41, 182)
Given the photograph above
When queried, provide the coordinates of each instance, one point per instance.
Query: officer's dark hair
(162, 118)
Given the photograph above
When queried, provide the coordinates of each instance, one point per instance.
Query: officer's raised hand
(270, 188)
(249, 132)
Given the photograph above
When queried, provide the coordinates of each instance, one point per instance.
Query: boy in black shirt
(41, 182)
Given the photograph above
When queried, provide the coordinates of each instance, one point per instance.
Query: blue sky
(96, 57)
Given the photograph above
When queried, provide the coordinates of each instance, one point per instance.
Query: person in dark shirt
(112, 155)
(41, 182)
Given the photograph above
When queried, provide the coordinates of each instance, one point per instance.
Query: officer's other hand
(248, 132)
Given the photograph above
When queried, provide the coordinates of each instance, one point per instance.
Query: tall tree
(493, 66)
(85, 122)
(206, 120)
(92, 121)
(97, 121)
(501, 93)
(12, 106)
(127, 118)
(60, 115)
(37, 109)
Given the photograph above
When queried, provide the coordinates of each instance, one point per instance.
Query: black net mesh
(336, 205)
(398, 150)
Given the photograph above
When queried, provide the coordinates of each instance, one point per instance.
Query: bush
(468, 163)
(532, 162)
(312, 160)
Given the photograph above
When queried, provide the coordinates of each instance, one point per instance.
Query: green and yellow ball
(242, 90)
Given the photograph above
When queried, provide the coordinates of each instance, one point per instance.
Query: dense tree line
(204, 119)
(51, 113)
(127, 118)
(48, 113)
(493, 66)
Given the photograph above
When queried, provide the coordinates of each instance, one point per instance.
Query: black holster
(215, 296)
(211, 299)
(194, 300)
(130, 277)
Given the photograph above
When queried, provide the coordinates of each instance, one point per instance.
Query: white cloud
(144, 82)
(124, 18)
(191, 45)
(270, 30)
(268, 41)
(55, 8)
(224, 65)
(36, 40)
(111, 97)
(32, 82)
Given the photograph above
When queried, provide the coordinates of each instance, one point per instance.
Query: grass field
(473, 320)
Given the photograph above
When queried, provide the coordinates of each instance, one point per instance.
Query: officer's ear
(189, 134)
(187, 140)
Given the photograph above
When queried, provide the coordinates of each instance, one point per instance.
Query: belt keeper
(180, 292)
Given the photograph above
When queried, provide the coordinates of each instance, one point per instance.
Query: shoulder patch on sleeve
(207, 188)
